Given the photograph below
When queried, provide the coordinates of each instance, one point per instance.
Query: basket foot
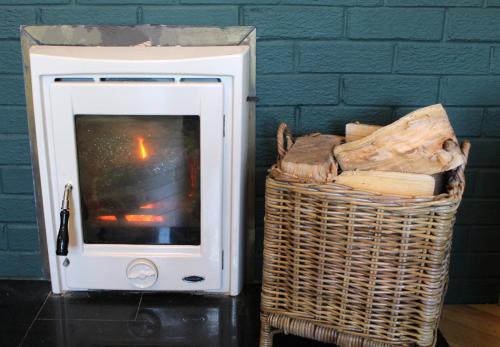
(266, 335)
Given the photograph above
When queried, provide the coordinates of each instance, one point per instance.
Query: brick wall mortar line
(297, 117)
(14, 136)
(445, 21)
(139, 15)
(241, 15)
(344, 24)
(21, 224)
(485, 115)
(443, 83)
(356, 73)
(440, 90)
(490, 62)
(341, 88)
(38, 16)
(395, 51)
(14, 166)
(296, 51)
(9, 251)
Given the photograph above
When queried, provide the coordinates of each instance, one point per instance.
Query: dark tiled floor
(31, 316)
(20, 302)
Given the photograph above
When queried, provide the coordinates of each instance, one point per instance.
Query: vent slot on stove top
(200, 79)
(136, 79)
(74, 79)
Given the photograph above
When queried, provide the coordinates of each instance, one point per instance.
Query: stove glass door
(139, 179)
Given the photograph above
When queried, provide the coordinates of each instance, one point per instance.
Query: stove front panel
(146, 164)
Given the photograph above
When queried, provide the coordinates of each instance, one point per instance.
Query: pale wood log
(420, 142)
(311, 158)
(389, 183)
(440, 179)
(356, 131)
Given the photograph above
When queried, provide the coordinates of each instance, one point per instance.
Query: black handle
(63, 237)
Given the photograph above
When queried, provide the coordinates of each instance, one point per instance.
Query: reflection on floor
(31, 316)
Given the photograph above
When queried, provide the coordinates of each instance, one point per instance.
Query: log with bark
(311, 158)
(420, 142)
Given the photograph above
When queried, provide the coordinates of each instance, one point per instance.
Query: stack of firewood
(407, 157)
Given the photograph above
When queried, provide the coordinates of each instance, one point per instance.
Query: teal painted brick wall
(321, 63)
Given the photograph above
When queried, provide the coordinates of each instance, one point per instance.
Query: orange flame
(143, 218)
(148, 206)
(109, 218)
(142, 148)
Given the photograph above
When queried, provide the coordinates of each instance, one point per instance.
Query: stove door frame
(85, 269)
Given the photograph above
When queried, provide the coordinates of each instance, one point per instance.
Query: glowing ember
(142, 148)
(148, 206)
(143, 218)
(109, 218)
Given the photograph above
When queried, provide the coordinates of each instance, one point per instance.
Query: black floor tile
(92, 305)
(12, 333)
(149, 332)
(132, 319)
(68, 333)
(202, 320)
(20, 301)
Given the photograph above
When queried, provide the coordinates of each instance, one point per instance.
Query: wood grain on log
(390, 183)
(311, 158)
(356, 131)
(420, 142)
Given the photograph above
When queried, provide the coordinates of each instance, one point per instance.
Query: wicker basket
(355, 268)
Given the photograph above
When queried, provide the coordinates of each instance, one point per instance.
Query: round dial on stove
(142, 273)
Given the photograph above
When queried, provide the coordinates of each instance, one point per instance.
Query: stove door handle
(63, 236)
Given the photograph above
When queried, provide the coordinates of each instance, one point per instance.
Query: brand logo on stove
(193, 279)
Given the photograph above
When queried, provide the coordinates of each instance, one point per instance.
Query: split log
(441, 179)
(311, 158)
(356, 131)
(389, 183)
(420, 142)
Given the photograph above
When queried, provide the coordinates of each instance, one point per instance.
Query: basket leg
(266, 336)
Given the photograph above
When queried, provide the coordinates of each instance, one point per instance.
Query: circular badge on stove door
(142, 273)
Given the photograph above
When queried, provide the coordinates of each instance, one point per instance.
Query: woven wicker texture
(355, 268)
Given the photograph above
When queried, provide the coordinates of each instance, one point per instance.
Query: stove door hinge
(222, 260)
(224, 126)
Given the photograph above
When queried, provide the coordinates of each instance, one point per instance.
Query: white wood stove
(141, 150)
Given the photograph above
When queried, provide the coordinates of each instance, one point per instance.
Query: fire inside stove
(139, 179)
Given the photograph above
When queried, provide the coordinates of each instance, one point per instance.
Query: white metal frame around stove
(210, 81)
